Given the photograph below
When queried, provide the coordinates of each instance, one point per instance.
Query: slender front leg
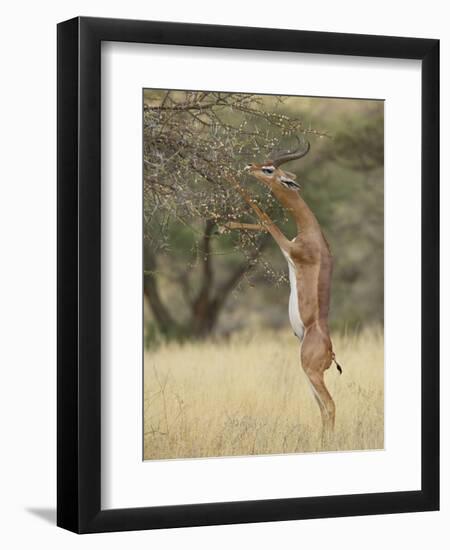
(243, 226)
(264, 218)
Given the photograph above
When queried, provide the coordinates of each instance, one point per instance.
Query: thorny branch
(195, 145)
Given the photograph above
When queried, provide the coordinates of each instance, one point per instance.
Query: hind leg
(326, 405)
(316, 359)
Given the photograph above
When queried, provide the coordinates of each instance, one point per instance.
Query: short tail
(338, 366)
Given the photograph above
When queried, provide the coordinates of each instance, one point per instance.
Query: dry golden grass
(249, 395)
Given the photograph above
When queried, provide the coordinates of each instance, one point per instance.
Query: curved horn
(291, 155)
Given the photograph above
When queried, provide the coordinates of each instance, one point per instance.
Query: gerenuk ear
(290, 175)
(289, 183)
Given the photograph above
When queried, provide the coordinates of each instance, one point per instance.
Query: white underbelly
(294, 307)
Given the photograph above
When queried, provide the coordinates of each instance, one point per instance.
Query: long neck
(300, 211)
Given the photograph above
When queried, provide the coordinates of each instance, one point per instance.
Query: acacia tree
(191, 139)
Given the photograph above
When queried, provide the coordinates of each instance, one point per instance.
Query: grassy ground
(248, 395)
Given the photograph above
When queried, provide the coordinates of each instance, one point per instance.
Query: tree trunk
(209, 302)
(163, 319)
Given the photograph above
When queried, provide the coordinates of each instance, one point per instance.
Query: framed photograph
(248, 259)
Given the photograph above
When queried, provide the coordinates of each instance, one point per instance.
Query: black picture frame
(79, 280)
